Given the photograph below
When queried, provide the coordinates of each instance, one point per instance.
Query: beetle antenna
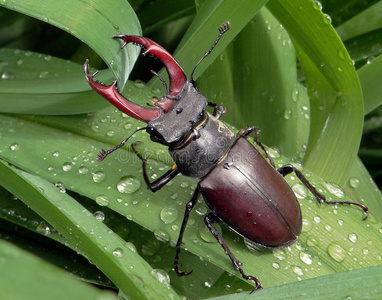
(102, 154)
(222, 29)
(161, 79)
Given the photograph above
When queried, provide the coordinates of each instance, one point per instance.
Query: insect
(238, 179)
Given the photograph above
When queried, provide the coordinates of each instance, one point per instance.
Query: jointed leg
(161, 181)
(209, 220)
(189, 206)
(287, 169)
(219, 110)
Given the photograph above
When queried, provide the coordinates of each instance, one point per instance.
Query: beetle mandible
(242, 188)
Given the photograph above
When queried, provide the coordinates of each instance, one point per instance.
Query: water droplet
(306, 258)
(60, 187)
(168, 215)
(161, 235)
(311, 241)
(279, 254)
(317, 219)
(336, 252)
(287, 113)
(43, 228)
(43, 74)
(118, 252)
(334, 189)
(306, 225)
(83, 170)
(354, 182)
(317, 5)
(128, 185)
(252, 246)
(297, 270)
(353, 238)
(98, 176)
(66, 167)
(3, 2)
(56, 153)
(276, 265)
(14, 147)
(206, 235)
(161, 276)
(201, 210)
(102, 200)
(139, 84)
(327, 19)
(99, 215)
(370, 59)
(295, 94)
(7, 75)
(300, 190)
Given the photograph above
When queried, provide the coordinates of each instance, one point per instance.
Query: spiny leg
(209, 220)
(189, 206)
(246, 132)
(219, 110)
(287, 169)
(161, 181)
(102, 154)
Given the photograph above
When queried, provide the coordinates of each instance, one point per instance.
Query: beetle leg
(161, 181)
(287, 169)
(189, 206)
(209, 220)
(245, 132)
(219, 110)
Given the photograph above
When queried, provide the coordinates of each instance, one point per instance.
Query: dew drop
(287, 113)
(334, 189)
(128, 185)
(14, 147)
(300, 190)
(206, 235)
(7, 75)
(297, 270)
(370, 59)
(169, 215)
(98, 176)
(60, 187)
(279, 254)
(99, 215)
(317, 5)
(295, 94)
(161, 235)
(327, 19)
(102, 200)
(306, 225)
(306, 258)
(354, 182)
(43, 228)
(201, 210)
(43, 74)
(276, 265)
(311, 241)
(83, 170)
(353, 238)
(56, 153)
(336, 252)
(161, 276)
(66, 167)
(118, 252)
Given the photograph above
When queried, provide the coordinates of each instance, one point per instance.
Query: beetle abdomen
(251, 197)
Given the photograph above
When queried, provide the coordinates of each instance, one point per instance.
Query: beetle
(238, 179)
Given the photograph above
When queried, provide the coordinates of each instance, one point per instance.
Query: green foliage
(284, 66)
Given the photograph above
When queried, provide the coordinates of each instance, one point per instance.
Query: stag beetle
(239, 180)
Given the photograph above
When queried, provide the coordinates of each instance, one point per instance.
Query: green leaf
(86, 20)
(333, 86)
(357, 284)
(118, 260)
(24, 276)
(204, 30)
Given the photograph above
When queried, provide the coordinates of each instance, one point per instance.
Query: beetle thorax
(174, 127)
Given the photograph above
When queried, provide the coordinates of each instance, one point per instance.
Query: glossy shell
(252, 198)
